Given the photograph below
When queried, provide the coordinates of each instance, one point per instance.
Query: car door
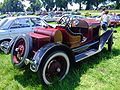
(20, 26)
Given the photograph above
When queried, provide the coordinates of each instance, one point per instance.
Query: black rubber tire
(28, 46)
(47, 63)
(110, 42)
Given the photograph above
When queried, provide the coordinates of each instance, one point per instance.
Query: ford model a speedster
(51, 51)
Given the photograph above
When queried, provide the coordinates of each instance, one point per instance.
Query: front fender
(104, 38)
(44, 52)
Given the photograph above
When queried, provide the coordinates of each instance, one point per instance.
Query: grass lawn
(99, 72)
(97, 12)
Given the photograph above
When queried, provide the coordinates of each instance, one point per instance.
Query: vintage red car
(52, 51)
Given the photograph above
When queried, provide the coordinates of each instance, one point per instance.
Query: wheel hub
(54, 67)
(58, 69)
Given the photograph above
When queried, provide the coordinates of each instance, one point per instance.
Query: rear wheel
(110, 42)
(20, 50)
(54, 68)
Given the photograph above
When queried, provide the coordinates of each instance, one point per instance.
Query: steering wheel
(65, 20)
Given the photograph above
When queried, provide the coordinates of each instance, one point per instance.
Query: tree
(29, 9)
(35, 5)
(117, 5)
(97, 2)
(12, 6)
(62, 4)
(1, 5)
(91, 3)
(48, 4)
(79, 2)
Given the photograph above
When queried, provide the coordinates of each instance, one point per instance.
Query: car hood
(93, 22)
(53, 34)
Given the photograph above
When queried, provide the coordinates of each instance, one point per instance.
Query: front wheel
(54, 67)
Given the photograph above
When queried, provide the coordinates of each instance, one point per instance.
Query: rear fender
(45, 51)
(104, 38)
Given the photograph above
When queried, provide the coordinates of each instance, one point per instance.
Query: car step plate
(86, 54)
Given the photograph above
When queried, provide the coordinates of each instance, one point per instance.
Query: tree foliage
(1, 5)
(35, 5)
(117, 5)
(48, 4)
(12, 6)
(79, 2)
(62, 4)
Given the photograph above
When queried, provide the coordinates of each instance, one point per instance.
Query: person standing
(105, 19)
(103, 11)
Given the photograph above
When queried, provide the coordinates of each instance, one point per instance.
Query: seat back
(74, 41)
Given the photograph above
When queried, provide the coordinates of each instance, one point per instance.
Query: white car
(48, 18)
(11, 27)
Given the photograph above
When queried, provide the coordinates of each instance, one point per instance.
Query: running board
(102, 40)
(86, 54)
(84, 47)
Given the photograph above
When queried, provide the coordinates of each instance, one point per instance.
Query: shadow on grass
(72, 80)
(27, 78)
(1, 52)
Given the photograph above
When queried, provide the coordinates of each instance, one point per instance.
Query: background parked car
(3, 16)
(114, 20)
(11, 27)
(57, 17)
(48, 18)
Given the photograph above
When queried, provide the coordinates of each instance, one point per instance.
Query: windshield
(3, 21)
(38, 22)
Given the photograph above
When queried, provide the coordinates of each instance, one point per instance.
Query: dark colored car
(52, 51)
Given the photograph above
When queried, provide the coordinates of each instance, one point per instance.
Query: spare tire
(20, 50)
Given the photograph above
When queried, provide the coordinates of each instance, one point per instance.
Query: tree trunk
(80, 5)
(61, 9)
(88, 5)
(97, 3)
(117, 4)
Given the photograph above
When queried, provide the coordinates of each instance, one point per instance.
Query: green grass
(97, 12)
(99, 72)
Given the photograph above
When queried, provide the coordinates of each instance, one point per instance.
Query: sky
(1, 0)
